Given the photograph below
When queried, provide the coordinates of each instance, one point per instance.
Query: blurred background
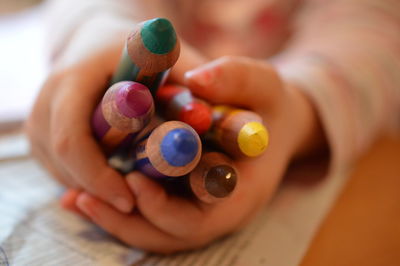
(23, 59)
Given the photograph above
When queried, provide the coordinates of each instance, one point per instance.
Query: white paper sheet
(34, 230)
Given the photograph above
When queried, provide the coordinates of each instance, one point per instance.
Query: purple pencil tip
(134, 100)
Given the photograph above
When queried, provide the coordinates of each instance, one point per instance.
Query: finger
(179, 216)
(68, 201)
(51, 166)
(74, 145)
(37, 130)
(189, 59)
(235, 80)
(132, 229)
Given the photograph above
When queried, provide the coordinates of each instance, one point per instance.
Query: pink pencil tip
(134, 100)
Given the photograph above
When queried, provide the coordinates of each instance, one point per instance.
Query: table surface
(363, 227)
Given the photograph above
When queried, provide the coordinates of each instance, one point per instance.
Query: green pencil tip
(158, 35)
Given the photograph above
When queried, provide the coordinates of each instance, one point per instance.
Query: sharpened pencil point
(158, 36)
(220, 180)
(253, 139)
(179, 147)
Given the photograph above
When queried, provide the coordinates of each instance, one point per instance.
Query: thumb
(238, 81)
(188, 60)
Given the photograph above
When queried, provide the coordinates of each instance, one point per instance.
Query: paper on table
(13, 147)
(35, 231)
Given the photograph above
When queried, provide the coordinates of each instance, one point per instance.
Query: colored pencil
(171, 149)
(214, 178)
(126, 108)
(123, 160)
(178, 103)
(150, 51)
(238, 132)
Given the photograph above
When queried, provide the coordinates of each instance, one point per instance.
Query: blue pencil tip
(179, 147)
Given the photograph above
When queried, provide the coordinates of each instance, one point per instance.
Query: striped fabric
(346, 56)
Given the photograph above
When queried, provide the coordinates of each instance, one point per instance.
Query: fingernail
(122, 204)
(83, 203)
(201, 77)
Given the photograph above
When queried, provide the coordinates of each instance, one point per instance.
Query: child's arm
(345, 57)
(66, 18)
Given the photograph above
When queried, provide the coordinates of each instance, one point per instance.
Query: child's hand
(59, 125)
(167, 223)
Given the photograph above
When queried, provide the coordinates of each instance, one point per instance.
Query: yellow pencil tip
(253, 139)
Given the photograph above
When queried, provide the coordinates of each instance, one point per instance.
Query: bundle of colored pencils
(169, 148)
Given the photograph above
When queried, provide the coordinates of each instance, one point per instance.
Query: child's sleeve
(346, 56)
(66, 17)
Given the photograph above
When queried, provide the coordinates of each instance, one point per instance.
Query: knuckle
(102, 183)
(235, 60)
(229, 60)
(151, 195)
(60, 145)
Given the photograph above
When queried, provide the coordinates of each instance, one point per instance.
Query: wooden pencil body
(145, 62)
(238, 132)
(214, 178)
(178, 103)
(154, 155)
(126, 108)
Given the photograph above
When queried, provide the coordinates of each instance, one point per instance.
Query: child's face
(218, 27)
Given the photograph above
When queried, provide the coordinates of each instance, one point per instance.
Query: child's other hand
(59, 125)
(166, 223)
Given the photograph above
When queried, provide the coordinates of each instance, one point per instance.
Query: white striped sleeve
(346, 57)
